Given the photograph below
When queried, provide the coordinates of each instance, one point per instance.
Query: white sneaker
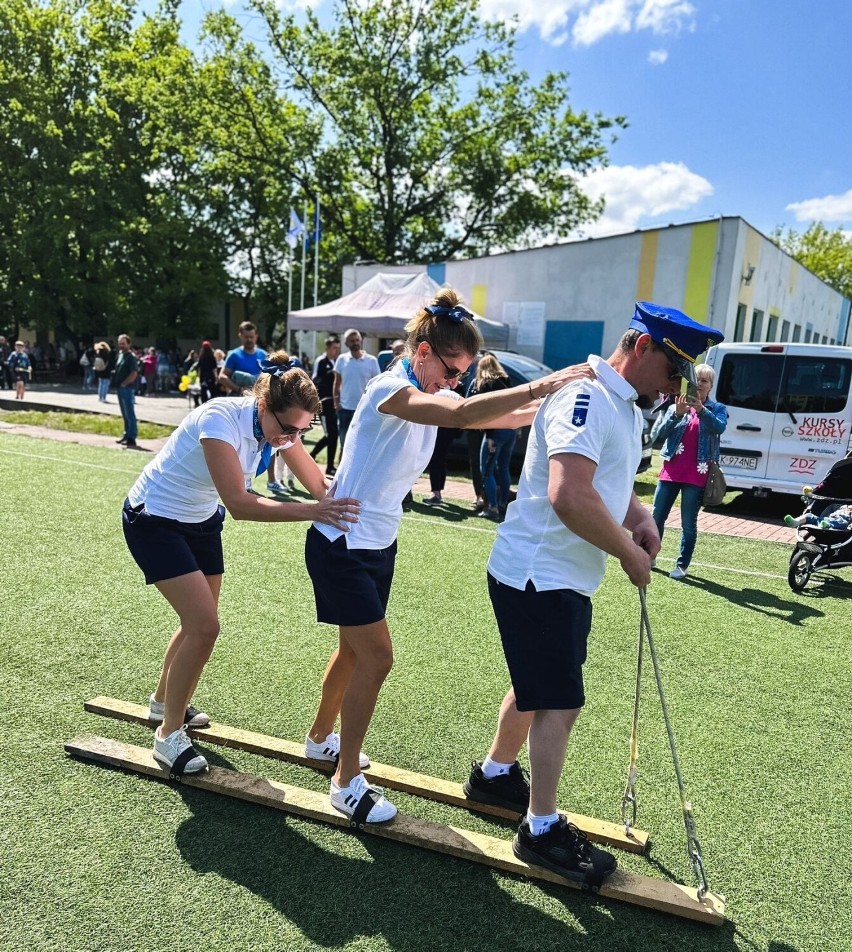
(677, 572)
(168, 749)
(276, 487)
(192, 717)
(346, 799)
(329, 749)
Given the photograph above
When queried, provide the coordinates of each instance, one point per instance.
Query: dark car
(521, 370)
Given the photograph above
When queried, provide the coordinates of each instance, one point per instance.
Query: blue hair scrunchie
(275, 369)
(456, 314)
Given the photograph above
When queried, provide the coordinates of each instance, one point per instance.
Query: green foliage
(103, 219)
(143, 181)
(434, 143)
(826, 252)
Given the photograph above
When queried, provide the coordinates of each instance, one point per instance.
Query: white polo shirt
(382, 459)
(597, 419)
(354, 377)
(177, 484)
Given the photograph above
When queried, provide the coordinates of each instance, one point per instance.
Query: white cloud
(593, 19)
(829, 208)
(634, 194)
(665, 17)
(601, 19)
(658, 57)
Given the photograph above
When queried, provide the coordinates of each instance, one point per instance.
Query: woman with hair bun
(390, 441)
(172, 523)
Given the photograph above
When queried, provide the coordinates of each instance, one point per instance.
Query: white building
(565, 301)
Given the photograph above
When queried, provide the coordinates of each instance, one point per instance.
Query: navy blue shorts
(544, 637)
(165, 548)
(351, 586)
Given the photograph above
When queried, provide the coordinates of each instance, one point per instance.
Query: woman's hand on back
(338, 513)
(556, 381)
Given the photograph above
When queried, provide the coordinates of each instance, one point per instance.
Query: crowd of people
(575, 506)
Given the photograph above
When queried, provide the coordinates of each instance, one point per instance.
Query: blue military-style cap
(682, 338)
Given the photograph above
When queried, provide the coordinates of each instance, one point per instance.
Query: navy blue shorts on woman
(351, 586)
(544, 637)
(165, 548)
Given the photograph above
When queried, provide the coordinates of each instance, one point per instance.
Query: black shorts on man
(544, 637)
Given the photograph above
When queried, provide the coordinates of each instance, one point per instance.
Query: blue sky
(736, 107)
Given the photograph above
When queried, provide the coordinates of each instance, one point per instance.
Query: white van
(789, 413)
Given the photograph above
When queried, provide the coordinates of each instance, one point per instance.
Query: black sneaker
(565, 850)
(511, 790)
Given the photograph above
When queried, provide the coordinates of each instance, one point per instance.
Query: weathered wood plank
(430, 788)
(656, 894)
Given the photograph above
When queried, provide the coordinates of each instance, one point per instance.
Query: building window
(785, 330)
(756, 326)
(772, 332)
(739, 327)
(797, 333)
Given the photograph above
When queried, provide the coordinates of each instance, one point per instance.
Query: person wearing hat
(691, 427)
(575, 505)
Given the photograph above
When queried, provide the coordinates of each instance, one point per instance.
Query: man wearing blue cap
(575, 505)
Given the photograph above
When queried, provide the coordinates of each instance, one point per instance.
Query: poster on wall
(531, 323)
(511, 309)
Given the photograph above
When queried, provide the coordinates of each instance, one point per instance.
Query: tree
(104, 214)
(434, 144)
(827, 253)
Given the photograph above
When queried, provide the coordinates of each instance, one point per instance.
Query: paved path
(170, 409)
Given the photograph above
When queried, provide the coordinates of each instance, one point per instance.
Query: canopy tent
(382, 307)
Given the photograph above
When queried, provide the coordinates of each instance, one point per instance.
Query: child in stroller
(824, 529)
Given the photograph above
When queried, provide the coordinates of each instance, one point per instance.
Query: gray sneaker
(192, 717)
(176, 751)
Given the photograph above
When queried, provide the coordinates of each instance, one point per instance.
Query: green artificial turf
(100, 423)
(94, 859)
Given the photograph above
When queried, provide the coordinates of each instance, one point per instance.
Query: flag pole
(304, 254)
(316, 250)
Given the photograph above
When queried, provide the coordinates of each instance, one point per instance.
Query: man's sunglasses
(451, 372)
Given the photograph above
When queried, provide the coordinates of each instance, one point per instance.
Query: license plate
(739, 462)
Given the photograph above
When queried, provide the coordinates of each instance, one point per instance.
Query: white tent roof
(382, 307)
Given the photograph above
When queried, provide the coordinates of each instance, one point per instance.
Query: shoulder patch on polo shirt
(581, 409)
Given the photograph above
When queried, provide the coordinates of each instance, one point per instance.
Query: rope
(693, 847)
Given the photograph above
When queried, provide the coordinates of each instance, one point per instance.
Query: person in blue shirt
(246, 359)
(22, 369)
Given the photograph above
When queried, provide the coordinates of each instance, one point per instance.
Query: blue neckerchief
(406, 363)
(265, 448)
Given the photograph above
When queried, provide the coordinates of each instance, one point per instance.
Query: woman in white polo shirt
(173, 524)
(390, 441)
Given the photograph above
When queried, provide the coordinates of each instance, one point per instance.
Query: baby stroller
(818, 548)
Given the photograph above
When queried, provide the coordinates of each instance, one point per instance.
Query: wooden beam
(421, 785)
(656, 894)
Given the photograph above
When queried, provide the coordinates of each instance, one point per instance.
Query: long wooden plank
(430, 788)
(478, 848)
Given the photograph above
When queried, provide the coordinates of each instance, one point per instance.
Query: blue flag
(316, 234)
(296, 229)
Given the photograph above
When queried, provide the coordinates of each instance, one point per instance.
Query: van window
(811, 384)
(816, 384)
(750, 381)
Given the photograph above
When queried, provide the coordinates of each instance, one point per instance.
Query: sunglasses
(451, 372)
(291, 432)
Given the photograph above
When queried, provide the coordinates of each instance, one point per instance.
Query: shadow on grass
(766, 603)
(406, 898)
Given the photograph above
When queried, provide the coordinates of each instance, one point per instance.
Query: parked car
(523, 370)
